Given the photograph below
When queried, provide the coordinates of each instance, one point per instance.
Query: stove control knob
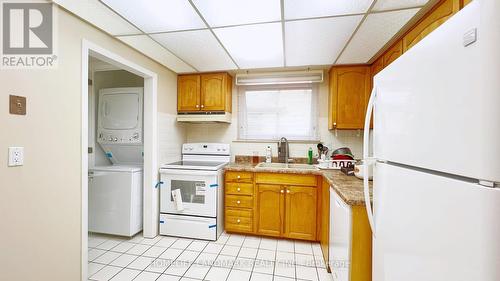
(116, 139)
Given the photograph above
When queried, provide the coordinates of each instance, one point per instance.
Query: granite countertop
(349, 188)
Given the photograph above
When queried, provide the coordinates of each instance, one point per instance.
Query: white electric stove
(196, 211)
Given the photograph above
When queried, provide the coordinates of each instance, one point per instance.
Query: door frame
(150, 194)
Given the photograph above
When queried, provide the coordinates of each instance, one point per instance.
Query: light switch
(16, 156)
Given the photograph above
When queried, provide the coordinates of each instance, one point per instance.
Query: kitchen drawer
(239, 188)
(241, 221)
(238, 227)
(239, 176)
(243, 213)
(286, 179)
(239, 201)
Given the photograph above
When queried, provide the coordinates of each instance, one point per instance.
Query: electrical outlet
(16, 156)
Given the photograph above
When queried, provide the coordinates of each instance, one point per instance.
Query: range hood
(205, 117)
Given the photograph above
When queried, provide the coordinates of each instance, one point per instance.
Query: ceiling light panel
(198, 47)
(373, 34)
(99, 15)
(235, 12)
(318, 41)
(383, 5)
(254, 46)
(150, 48)
(158, 15)
(299, 9)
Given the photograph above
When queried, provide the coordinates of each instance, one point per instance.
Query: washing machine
(116, 191)
(115, 199)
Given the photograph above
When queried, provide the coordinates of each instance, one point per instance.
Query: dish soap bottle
(269, 154)
(310, 156)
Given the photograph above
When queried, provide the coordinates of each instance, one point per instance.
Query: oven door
(198, 191)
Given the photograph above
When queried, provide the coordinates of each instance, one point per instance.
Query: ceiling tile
(318, 41)
(158, 15)
(99, 15)
(150, 48)
(373, 34)
(299, 9)
(254, 46)
(233, 12)
(383, 5)
(198, 47)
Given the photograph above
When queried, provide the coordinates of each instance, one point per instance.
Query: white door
(434, 228)
(198, 191)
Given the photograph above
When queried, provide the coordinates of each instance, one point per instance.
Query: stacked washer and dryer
(115, 191)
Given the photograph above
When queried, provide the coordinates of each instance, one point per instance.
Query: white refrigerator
(436, 154)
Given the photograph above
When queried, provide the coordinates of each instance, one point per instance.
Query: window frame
(242, 116)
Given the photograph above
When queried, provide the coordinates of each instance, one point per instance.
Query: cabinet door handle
(197, 105)
(287, 191)
(335, 124)
(202, 106)
(238, 202)
(282, 191)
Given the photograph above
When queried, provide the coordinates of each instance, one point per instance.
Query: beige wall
(228, 133)
(40, 202)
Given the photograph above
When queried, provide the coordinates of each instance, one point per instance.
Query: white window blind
(272, 112)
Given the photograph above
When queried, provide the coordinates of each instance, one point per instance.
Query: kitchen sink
(265, 165)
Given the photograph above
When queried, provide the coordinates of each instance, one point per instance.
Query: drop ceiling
(211, 35)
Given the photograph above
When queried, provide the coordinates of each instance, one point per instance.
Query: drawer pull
(238, 177)
(238, 189)
(282, 191)
(238, 202)
(238, 220)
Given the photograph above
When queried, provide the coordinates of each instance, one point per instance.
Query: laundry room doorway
(117, 150)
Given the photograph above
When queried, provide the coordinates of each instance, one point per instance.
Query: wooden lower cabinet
(300, 212)
(273, 204)
(270, 209)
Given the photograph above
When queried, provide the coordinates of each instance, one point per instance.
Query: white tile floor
(231, 257)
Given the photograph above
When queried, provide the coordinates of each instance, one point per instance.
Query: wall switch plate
(16, 156)
(17, 105)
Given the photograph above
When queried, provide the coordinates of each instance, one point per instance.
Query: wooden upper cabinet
(188, 93)
(466, 2)
(393, 53)
(214, 91)
(204, 92)
(300, 212)
(270, 209)
(350, 88)
(377, 66)
(437, 16)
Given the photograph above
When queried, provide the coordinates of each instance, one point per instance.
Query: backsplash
(228, 133)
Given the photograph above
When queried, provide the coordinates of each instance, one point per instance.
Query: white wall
(40, 202)
(228, 133)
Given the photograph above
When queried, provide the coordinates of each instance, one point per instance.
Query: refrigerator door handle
(367, 160)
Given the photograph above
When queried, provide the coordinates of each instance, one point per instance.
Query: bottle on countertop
(310, 156)
(269, 154)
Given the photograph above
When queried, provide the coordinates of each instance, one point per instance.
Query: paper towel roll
(176, 195)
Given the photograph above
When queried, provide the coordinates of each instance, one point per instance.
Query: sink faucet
(283, 150)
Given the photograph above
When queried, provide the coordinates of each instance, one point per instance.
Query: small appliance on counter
(191, 195)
